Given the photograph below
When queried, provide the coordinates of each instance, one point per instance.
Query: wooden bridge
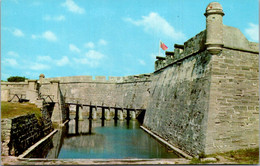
(118, 115)
(103, 107)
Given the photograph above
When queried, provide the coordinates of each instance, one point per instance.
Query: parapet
(235, 39)
(97, 79)
(190, 47)
(137, 78)
(214, 38)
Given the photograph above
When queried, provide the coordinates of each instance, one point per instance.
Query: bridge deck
(107, 107)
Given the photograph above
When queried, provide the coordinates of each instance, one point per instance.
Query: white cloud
(34, 36)
(74, 48)
(10, 62)
(59, 62)
(50, 36)
(73, 7)
(102, 42)
(142, 62)
(63, 61)
(92, 54)
(38, 66)
(91, 58)
(155, 24)
(90, 45)
(44, 58)
(18, 32)
(54, 18)
(13, 54)
(253, 32)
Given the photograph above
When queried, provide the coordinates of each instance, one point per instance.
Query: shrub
(16, 79)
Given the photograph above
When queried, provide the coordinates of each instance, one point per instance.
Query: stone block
(100, 78)
(5, 94)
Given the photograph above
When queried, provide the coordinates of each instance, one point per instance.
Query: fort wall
(208, 99)
(179, 103)
(124, 92)
(233, 117)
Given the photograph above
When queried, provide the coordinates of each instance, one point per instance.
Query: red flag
(163, 46)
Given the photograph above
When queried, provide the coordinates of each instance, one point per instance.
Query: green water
(110, 140)
(114, 141)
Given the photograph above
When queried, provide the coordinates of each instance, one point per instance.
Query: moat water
(108, 140)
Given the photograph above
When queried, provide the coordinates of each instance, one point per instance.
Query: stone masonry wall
(6, 125)
(8, 89)
(178, 107)
(129, 92)
(233, 121)
(25, 132)
(19, 133)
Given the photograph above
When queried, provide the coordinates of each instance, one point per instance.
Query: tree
(16, 79)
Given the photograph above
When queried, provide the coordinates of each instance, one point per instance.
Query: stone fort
(202, 98)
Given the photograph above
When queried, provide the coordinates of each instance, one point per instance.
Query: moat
(108, 140)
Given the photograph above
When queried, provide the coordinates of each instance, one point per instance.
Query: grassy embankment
(242, 156)
(10, 110)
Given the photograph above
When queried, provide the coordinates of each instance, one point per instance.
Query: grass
(242, 156)
(197, 161)
(11, 110)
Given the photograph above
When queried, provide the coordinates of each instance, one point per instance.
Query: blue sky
(104, 37)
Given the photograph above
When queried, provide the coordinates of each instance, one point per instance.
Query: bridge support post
(77, 112)
(128, 114)
(90, 113)
(121, 117)
(116, 114)
(108, 114)
(103, 113)
(95, 114)
(103, 117)
(90, 126)
(133, 115)
(77, 120)
(80, 113)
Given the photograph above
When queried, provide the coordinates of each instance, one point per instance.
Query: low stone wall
(19, 133)
(6, 125)
(25, 131)
(9, 89)
(24, 90)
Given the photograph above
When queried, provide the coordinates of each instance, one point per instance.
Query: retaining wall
(19, 133)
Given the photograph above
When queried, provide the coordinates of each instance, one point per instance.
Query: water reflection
(118, 139)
